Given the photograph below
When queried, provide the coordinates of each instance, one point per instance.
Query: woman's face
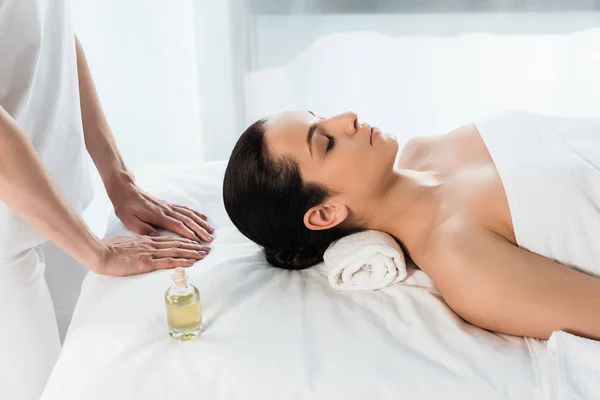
(348, 157)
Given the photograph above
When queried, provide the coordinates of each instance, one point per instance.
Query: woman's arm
(139, 211)
(28, 190)
(99, 140)
(500, 287)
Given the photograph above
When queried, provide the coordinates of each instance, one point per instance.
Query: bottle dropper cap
(179, 276)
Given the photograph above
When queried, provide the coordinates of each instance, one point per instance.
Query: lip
(374, 134)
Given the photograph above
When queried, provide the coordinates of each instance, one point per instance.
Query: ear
(325, 216)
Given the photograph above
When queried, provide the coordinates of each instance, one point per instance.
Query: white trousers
(29, 334)
(64, 276)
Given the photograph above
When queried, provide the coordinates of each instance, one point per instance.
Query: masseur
(49, 110)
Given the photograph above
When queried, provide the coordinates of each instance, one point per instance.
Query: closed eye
(330, 144)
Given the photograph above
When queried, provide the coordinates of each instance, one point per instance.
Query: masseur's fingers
(190, 224)
(169, 263)
(159, 239)
(131, 255)
(194, 217)
(145, 229)
(182, 245)
(178, 253)
(138, 226)
(174, 225)
(178, 219)
(199, 214)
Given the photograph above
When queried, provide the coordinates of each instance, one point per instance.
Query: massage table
(277, 334)
(274, 334)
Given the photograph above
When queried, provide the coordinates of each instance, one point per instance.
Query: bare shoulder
(448, 240)
(457, 248)
(460, 142)
(467, 261)
(457, 259)
(463, 138)
(466, 129)
(421, 143)
(498, 286)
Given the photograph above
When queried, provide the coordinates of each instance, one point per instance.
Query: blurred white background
(180, 80)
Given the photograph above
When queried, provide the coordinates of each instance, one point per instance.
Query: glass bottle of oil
(184, 315)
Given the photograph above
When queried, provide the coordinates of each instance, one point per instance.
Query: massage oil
(184, 315)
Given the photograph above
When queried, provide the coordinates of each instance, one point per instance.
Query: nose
(347, 123)
(342, 124)
(351, 118)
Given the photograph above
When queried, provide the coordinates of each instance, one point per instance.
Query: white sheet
(274, 334)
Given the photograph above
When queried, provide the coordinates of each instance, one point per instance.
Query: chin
(391, 147)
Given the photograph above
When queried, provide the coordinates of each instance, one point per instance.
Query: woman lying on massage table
(484, 210)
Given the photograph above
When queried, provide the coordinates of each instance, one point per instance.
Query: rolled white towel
(367, 260)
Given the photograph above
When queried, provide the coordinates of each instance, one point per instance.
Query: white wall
(280, 38)
(222, 45)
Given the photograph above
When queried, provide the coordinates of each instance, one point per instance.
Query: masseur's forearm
(28, 190)
(99, 140)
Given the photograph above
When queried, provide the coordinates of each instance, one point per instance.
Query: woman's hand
(124, 255)
(143, 213)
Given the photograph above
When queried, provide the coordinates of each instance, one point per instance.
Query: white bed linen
(274, 334)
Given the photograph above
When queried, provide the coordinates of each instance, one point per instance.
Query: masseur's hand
(123, 255)
(143, 213)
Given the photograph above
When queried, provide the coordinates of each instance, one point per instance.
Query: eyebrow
(309, 136)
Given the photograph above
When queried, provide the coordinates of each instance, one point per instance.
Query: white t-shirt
(39, 89)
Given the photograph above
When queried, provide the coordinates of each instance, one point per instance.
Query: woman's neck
(408, 209)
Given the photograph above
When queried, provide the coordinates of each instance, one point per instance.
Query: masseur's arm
(138, 210)
(28, 190)
(498, 286)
